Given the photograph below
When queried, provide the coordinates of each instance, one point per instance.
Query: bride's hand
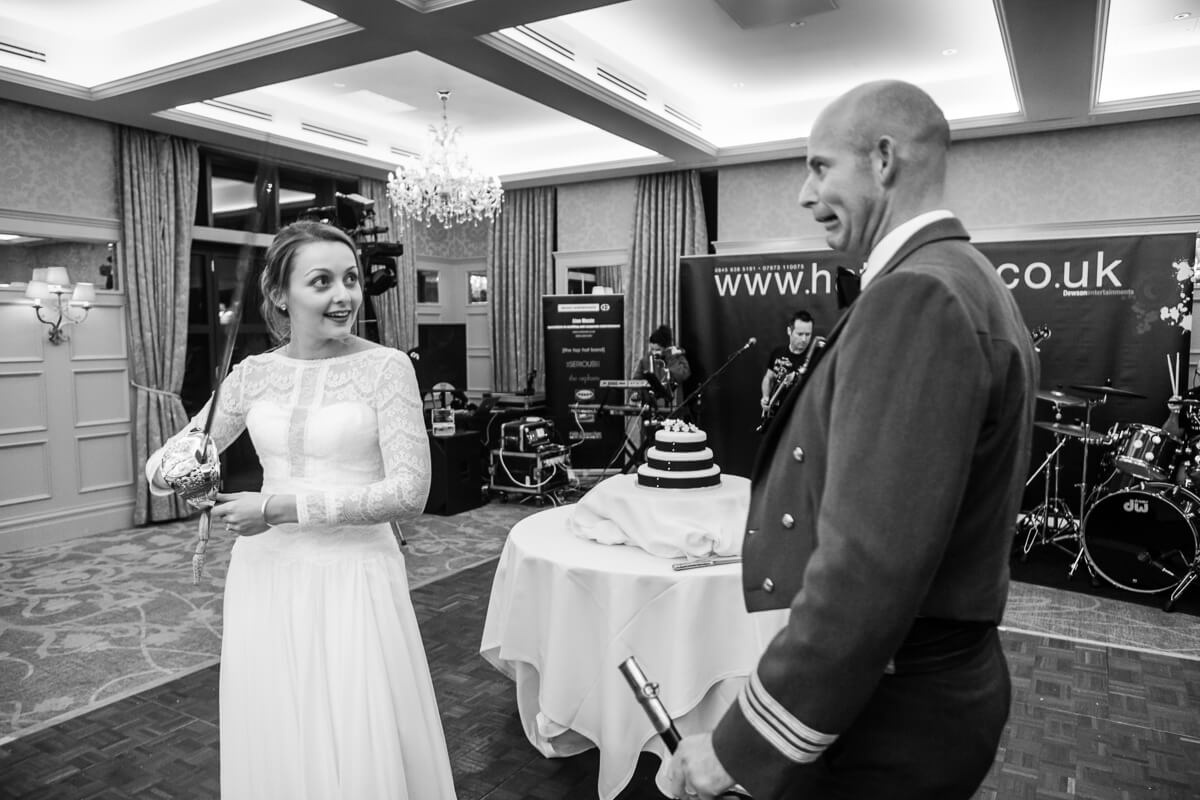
(240, 513)
(191, 467)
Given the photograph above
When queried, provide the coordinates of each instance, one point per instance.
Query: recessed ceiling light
(739, 84)
(5, 237)
(949, 51)
(1182, 15)
(797, 24)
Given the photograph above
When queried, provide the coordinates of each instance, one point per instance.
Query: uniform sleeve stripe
(778, 739)
(786, 720)
(791, 737)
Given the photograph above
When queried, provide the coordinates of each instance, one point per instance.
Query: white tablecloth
(565, 612)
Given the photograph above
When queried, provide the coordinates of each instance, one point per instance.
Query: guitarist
(785, 361)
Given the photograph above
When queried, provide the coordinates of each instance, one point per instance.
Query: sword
(646, 694)
(235, 309)
(206, 449)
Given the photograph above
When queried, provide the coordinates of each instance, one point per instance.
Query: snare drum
(1142, 539)
(1146, 452)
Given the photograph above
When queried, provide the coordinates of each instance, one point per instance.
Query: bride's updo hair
(278, 270)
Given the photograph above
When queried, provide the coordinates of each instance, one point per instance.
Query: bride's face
(323, 291)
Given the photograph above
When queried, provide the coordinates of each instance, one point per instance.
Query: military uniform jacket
(885, 489)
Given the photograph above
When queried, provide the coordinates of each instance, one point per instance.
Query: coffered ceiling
(555, 90)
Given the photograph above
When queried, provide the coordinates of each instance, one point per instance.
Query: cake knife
(715, 561)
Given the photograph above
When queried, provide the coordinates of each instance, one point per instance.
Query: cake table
(566, 611)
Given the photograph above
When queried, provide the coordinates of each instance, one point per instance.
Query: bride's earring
(283, 307)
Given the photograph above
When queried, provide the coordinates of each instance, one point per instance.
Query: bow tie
(849, 285)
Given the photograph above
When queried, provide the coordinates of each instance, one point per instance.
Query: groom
(884, 495)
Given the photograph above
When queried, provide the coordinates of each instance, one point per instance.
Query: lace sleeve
(405, 448)
(228, 424)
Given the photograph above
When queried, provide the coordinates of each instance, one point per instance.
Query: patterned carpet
(93, 620)
(88, 622)
(1086, 722)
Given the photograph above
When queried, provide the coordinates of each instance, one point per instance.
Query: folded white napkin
(665, 522)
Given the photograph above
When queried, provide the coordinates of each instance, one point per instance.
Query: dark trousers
(924, 735)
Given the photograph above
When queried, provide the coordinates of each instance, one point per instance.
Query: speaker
(457, 465)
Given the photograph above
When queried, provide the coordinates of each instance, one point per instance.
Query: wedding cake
(646, 511)
(679, 459)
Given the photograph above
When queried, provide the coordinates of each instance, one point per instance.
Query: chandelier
(442, 185)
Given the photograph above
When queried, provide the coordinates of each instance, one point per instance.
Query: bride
(325, 688)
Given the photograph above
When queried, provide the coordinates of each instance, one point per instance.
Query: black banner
(1116, 307)
(1119, 311)
(584, 337)
(724, 301)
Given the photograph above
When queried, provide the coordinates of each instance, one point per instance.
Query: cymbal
(1060, 398)
(1073, 431)
(1110, 390)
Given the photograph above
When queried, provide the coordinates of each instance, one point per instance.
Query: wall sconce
(53, 285)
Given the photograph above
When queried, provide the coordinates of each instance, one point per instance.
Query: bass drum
(1143, 539)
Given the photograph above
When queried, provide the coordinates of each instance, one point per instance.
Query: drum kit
(1139, 527)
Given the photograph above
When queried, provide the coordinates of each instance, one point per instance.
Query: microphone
(750, 343)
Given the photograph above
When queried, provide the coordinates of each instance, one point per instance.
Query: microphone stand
(704, 384)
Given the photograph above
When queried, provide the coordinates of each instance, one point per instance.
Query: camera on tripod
(355, 215)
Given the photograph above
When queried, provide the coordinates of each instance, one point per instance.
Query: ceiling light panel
(90, 43)
(387, 106)
(1150, 53)
(747, 86)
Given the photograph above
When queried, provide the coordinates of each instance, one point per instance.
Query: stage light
(381, 278)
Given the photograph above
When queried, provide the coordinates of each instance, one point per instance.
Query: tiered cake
(679, 459)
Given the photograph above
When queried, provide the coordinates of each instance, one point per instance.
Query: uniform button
(768, 585)
(787, 521)
(798, 453)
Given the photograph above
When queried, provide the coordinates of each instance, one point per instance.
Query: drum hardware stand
(1087, 437)
(1037, 523)
(1192, 573)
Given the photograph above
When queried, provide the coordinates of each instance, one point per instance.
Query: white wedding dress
(325, 688)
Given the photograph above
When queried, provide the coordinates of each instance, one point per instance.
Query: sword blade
(245, 260)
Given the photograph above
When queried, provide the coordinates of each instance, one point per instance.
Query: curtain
(668, 222)
(520, 270)
(396, 309)
(159, 176)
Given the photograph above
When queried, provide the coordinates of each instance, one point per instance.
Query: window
(260, 196)
(427, 286)
(581, 280)
(231, 194)
(477, 287)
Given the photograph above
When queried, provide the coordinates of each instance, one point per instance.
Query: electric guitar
(1039, 334)
(786, 383)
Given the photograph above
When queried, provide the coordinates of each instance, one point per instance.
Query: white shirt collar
(889, 245)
